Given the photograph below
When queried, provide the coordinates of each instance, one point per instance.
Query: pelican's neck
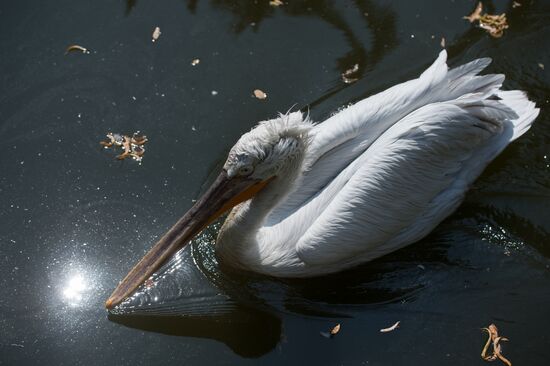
(238, 240)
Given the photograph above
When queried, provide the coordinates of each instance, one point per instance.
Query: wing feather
(342, 138)
(414, 169)
(383, 173)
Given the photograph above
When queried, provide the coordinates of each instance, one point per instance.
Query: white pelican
(310, 199)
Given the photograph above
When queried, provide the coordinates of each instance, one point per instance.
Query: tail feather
(464, 79)
(471, 68)
(486, 109)
(466, 84)
(517, 101)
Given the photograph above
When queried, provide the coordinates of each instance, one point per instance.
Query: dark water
(73, 219)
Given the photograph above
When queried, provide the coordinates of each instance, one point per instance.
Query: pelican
(312, 199)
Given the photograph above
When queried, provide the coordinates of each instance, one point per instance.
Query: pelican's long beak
(224, 194)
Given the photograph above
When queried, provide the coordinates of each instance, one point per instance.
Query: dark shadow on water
(519, 215)
(391, 279)
(130, 5)
(248, 332)
(380, 19)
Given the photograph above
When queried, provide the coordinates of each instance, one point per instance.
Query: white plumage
(314, 199)
(373, 178)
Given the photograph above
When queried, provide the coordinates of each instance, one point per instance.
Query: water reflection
(75, 290)
(380, 20)
(193, 284)
(76, 287)
(248, 332)
(514, 222)
(180, 300)
(57, 187)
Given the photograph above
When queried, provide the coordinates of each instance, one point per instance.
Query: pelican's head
(269, 148)
(272, 148)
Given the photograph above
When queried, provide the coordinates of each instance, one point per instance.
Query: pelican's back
(384, 172)
(345, 136)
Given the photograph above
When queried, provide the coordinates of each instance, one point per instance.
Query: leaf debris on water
(195, 62)
(275, 3)
(493, 24)
(156, 34)
(133, 146)
(260, 94)
(495, 339)
(346, 75)
(541, 65)
(515, 4)
(75, 47)
(332, 332)
(389, 329)
(476, 14)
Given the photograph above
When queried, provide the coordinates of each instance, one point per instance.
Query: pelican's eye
(246, 170)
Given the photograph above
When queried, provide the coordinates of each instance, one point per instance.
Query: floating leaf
(75, 47)
(495, 340)
(332, 332)
(493, 24)
(275, 3)
(476, 14)
(392, 328)
(260, 94)
(132, 145)
(195, 62)
(156, 34)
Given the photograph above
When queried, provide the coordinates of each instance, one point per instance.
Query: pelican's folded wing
(339, 140)
(411, 178)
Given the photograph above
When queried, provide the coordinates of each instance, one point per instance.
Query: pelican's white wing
(383, 173)
(412, 177)
(342, 138)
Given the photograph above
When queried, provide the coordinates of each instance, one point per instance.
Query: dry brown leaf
(195, 62)
(75, 47)
(332, 332)
(260, 94)
(132, 146)
(275, 3)
(476, 14)
(389, 329)
(493, 24)
(156, 34)
(495, 340)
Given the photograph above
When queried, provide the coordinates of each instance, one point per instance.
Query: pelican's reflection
(180, 300)
(248, 332)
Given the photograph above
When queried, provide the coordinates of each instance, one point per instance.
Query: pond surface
(74, 220)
